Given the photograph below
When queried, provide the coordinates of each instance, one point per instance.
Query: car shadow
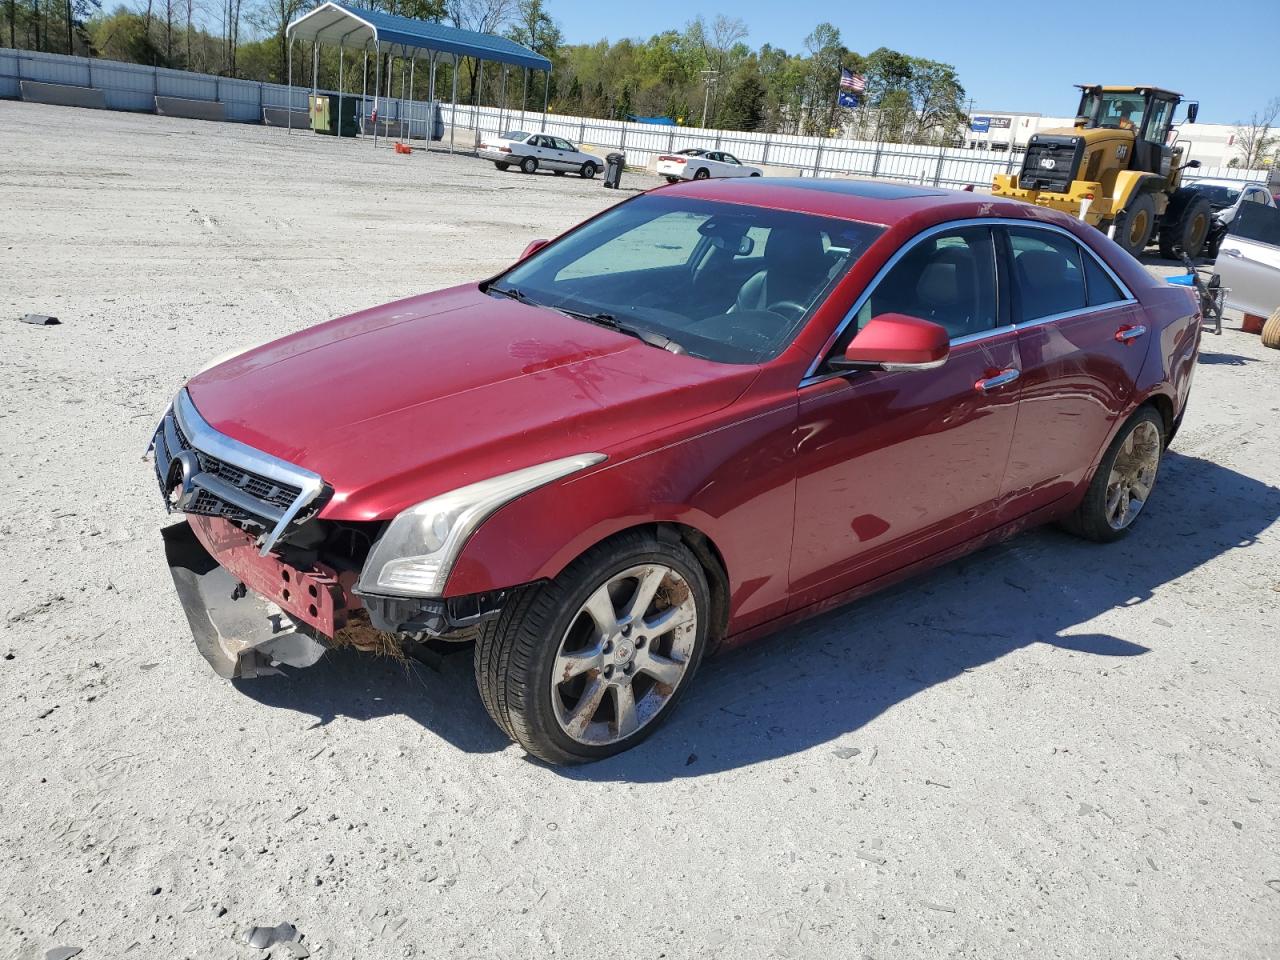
(1224, 359)
(825, 679)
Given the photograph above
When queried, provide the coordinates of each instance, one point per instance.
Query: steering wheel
(790, 309)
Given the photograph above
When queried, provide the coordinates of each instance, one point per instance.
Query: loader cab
(1146, 112)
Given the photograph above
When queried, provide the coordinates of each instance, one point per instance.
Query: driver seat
(794, 266)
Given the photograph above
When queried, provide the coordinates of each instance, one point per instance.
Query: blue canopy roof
(346, 25)
(657, 121)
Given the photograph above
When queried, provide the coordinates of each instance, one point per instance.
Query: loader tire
(1135, 223)
(1187, 231)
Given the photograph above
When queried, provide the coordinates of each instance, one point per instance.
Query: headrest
(1042, 266)
(939, 283)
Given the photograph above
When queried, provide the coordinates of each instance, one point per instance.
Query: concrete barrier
(191, 109)
(279, 117)
(63, 95)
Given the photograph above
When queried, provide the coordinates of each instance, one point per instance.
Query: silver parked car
(1249, 261)
(532, 152)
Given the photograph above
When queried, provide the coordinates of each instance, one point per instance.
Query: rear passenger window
(1047, 273)
(1098, 284)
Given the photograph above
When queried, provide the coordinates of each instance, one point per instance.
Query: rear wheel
(587, 665)
(1271, 331)
(1188, 233)
(1124, 481)
(528, 165)
(500, 165)
(1134, 224)
(702, 173)
(588, 171)
(673, 179)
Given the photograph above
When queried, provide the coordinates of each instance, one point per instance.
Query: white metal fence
(130, 86)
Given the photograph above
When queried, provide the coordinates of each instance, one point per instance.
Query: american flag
(852, 81)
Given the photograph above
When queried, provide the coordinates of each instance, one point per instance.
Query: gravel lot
(1049, 749)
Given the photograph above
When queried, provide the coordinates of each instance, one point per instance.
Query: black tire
(702, 173)
(755, 174)
(515, 653)
(500, 165)
(673, 179)
(1135, 223)
(1090, 518)
(529, 165)
(588, 171)
(1188, 229)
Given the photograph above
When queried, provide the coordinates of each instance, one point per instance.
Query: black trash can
(613, 165)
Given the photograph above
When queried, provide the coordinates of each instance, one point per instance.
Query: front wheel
(588, 171)
(528, 165)
(1135, 223)
(1124, 481)
(587, 665)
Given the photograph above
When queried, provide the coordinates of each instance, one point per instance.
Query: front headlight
(416, 553)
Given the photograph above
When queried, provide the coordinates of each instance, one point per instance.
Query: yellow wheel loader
(1118, 168)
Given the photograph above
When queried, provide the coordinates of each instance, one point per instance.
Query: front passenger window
(948, 279)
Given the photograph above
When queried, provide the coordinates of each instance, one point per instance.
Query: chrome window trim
(811, 375)
(206, 439)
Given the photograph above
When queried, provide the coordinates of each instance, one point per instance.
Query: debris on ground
(847, 753)
(264, 937)
(62, 953)
(41, 319)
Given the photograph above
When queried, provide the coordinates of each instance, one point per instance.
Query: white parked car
(1226, 197)
(532, 152)
(697, 164)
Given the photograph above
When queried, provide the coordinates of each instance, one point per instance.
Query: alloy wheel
(624, 654)
(1133, 474)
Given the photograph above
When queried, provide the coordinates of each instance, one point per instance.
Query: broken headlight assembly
(415, 554)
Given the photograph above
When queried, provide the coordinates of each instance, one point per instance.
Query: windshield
(1117, 111)
(1219, 196)
(726, 282)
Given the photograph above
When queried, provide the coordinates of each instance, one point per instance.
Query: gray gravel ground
(1049, 749)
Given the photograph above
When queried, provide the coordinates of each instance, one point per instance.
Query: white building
(1213, 144)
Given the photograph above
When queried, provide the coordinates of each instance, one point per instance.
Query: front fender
(733, 481)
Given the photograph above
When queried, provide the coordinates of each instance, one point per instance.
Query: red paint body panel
(811, 494)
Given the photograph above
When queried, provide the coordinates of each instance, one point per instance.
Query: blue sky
(1010, 55)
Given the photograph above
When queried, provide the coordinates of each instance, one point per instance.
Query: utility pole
(709, 81)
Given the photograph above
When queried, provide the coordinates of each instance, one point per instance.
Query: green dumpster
(325, 109)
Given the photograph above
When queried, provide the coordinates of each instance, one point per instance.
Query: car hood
(409, 400)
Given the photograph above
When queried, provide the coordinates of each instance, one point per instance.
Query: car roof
(869, 201)
(1224, 182)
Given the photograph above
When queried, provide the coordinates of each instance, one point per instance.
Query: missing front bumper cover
(237, 631)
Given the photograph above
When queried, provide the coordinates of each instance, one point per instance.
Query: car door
(1082, 340)
(569, 156)
(893, 467)
(733, 168)
(1249, 260)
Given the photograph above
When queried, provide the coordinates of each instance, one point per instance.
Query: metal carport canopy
(341, 24)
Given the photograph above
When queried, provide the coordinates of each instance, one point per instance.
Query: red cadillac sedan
(700, 416)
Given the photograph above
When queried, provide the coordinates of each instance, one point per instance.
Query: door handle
(1129, 334)
(1232, 252)
(1001, 379)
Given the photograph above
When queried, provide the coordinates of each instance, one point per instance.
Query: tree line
(706, 72)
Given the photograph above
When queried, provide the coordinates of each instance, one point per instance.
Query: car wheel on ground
(673, 179)
(500, 165)
(588, 664)
(528, 165)
(588, 171)
(1124, 481)
(1271, 331)
(702, 173)
(1134, 224)
(755, 174)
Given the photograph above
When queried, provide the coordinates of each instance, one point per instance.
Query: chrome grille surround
(222, 477)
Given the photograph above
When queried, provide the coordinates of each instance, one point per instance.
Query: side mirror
(894, 341)
(1192, 164)
(533, 247)
(1193, 110)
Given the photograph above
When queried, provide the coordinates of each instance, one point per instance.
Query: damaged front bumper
(239, 631)
(250, 612)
